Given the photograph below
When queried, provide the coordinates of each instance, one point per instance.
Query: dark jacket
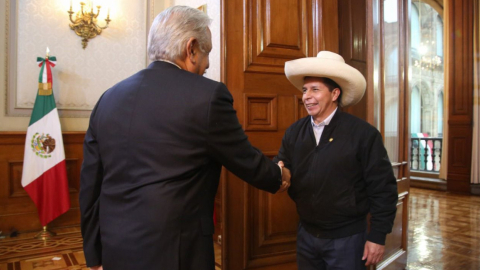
(337, 183)
(152, 158)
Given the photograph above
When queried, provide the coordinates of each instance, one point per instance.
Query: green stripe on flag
(40, 76)
(43, 105)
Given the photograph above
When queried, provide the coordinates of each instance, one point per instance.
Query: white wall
(81, 75)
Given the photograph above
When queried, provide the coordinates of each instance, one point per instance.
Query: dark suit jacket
(152, 159)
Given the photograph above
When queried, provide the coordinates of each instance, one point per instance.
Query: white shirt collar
(163, 60)
(326, 121)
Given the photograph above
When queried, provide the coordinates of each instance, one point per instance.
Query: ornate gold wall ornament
(85, 23)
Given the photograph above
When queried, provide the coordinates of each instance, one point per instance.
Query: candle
(47, 51)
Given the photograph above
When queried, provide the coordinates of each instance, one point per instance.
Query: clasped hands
(286, 175)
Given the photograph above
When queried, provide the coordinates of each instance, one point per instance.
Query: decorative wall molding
(260, 112)
(265, 46)
(300, 110)
(81, 75)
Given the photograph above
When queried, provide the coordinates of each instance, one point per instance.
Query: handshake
(286, 175)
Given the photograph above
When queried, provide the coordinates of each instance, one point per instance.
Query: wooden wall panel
(260, 112)
(15, 179)
(353, 44)
(459, 83)
(17, 210)
(273, 39)
(300, 110)
(325, 25)
(271, 237)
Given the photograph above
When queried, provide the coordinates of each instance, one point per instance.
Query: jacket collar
(328, 130)
(162, 65)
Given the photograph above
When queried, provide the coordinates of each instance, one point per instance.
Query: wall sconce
(85, 23)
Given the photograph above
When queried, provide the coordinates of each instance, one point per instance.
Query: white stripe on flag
(44, 75)
(33, 165)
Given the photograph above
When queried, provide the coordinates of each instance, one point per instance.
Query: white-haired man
(153, 153)
(340, 169)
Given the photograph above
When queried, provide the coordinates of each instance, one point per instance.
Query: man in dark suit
(153, 153)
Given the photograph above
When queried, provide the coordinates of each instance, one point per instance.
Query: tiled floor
(24, 252)
(444, 233)
(62, 252)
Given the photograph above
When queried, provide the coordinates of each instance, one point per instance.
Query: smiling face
(319, 101)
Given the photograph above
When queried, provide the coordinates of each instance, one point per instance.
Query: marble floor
(444, 233)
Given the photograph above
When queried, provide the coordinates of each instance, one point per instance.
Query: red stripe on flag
(50, 193)
(49, 71)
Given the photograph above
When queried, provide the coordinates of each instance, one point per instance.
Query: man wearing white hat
(340, 169)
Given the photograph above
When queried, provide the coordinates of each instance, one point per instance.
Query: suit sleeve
(90, 186)
(283, 152)
(381, 189)
(228, 144)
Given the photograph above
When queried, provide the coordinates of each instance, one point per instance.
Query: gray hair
(171, 30)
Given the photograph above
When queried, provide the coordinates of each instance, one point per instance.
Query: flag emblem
(43, 145)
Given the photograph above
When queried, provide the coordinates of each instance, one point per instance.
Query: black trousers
(330, 254)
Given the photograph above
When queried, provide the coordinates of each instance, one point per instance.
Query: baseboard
(428, 183)
(475, 189)
(438, 184)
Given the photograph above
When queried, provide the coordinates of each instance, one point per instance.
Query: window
(426, 78)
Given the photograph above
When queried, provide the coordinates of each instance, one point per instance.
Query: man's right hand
(286, 175)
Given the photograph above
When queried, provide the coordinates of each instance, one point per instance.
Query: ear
(336, 94)
(191, 47)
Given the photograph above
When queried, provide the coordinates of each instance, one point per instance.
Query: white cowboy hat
(329, 65)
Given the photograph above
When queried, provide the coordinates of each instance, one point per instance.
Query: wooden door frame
(459, 35)
(376, 106)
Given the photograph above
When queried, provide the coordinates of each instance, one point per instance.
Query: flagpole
(44, 152)
(45, 234)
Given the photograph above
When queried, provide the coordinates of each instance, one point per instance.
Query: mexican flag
(44, 172)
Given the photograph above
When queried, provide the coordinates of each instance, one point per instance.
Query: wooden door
(259, 36)
(387, 109)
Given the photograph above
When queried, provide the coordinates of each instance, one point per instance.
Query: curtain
(444, 159)
(475, 175)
